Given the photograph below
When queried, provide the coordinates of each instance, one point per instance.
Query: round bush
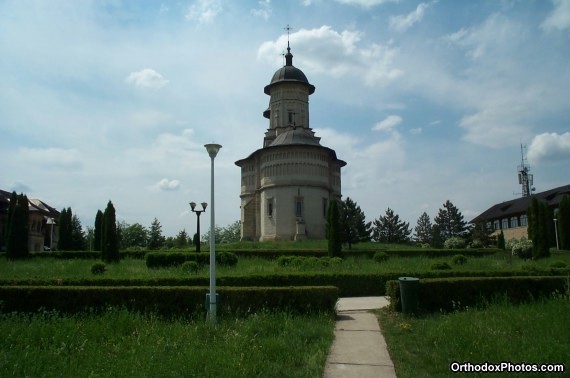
(459, 259)
(190, 267)
(285, 260)
(440, 266)
(476, 244)
(380, 257)
(311, 262)
(523, 249)
(226, 259)
(454, 242)
(98, 268)
(335, 261)
(558, 265)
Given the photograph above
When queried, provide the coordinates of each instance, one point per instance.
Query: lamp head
(212, 149)
(193, 205)
(204, 205)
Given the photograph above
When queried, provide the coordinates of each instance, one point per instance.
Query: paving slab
(359, 349)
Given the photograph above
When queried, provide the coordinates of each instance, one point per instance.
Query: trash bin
(409, 288)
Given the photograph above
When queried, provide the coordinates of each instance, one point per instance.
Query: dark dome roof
(289, 73)
(299, 135)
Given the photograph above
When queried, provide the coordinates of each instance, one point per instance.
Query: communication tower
(525, 178)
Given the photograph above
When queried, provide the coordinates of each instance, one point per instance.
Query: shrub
(380, 257)
(440, 266)
(285, 260)
(226, 259)
(476, 244)
(454, 242)
(191, 267)
(522, 248)
(98, 268)
(459, 259)
(558, 265)
(335, 261)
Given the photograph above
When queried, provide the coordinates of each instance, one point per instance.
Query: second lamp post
(198, 212)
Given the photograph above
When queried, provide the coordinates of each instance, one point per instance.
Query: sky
(426, 101)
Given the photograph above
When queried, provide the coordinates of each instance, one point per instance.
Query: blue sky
(426, 101)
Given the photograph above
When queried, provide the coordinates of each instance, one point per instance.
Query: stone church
(286, 185)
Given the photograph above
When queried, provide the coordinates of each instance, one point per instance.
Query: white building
(286, 185)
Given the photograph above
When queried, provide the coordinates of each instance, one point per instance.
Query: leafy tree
(65, 242)
(563, 222)
(482, 232)
(229, 234)
(539, 217)
(353, 226)
(333, 229)
(133, 235)
(155, 238)
(450, 221)
(97, 231)
(109, 240)
(423, 231)
(17, 227)
(182, 239)
(390, 229)
(77, 234)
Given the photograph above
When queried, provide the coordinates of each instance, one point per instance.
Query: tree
(436, 240)
(97, 231)
(450, 221)
(539, 217)
(17, 227)
(390, 229)
(109, 240)
(65, 241)
(182, 239)
(133, 235)
(501, 241)
(333, 229)
(353, 226)
(231, 233)
(77, 234)
(482, 232)
(155, 238)
(563, 222)
(423, 231)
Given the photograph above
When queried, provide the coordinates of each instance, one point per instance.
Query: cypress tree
(65, 242)
(109, 240)
(501, 241)
(333, 230)
(98, 230)
(563, 222)
(538, 228)
(17, 227)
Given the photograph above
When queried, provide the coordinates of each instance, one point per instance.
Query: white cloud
(168, 185)
(549, 147)
(51, 157)
(264, 10)
(559, 19)
(204, 11)
(388, 123)
(146, 78)
(416, 131)
(365, 3)
(403, 23)
(324, 50)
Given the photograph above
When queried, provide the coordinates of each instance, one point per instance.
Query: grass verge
(426, 346)
(119, 343)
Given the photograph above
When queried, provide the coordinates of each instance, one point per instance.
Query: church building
(286, 185)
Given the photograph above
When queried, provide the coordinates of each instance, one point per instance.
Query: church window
(270, 207)
(325, 203)
(299, 207)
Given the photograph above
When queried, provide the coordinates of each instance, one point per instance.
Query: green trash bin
(409, 288)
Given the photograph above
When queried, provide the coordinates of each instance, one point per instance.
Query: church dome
(298, 135)
(289, 73)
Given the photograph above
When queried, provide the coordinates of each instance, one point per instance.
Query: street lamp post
(556, 232)
(212, 149)
(198, 212)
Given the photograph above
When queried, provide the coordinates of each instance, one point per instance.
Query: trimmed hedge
(449, 294)
(167, 301)
(165, 259)
(349, 284)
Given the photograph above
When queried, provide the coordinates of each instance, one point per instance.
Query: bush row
(168, 301)
(349, 284)
(449, 294)
(168, 259)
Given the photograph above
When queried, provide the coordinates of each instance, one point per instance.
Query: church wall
(290, 98)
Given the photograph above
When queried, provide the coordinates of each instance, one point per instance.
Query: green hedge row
(349, 284)
(449, 294)
(167, 259)
(88, 255)
(168, 301)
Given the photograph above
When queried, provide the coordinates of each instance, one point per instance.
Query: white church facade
(286, 185)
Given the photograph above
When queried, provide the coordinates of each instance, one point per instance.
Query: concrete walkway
(359, 349)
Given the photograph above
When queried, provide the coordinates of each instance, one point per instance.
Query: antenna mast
(525, 178)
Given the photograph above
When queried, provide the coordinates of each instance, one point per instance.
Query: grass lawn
(532, 333)
(122, 344)
(49, 268)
